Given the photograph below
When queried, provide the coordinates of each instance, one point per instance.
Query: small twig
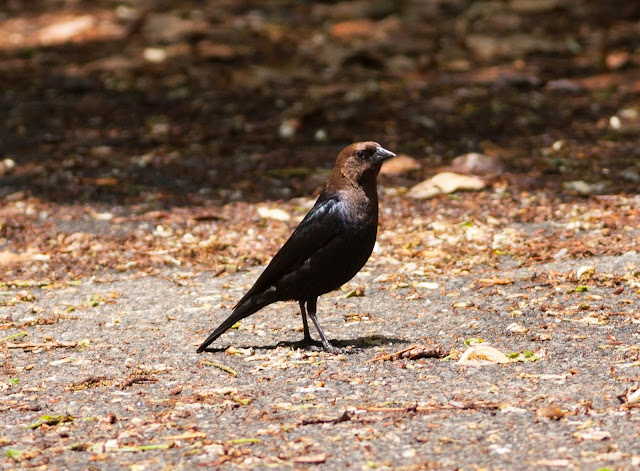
(186, 436)
(14, 407)
(392, 355)
(43, 345)
(14, 336)
(231, 371)
(450, 405)
(135, 380)
(431, 352)
(87, 383)
(345, 417)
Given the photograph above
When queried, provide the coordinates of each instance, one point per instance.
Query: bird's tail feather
(243, 309)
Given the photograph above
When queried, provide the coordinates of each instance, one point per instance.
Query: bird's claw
(316, 346)
(342, 350)
(306, 343)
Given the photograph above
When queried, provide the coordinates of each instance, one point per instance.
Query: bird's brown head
(360, 163)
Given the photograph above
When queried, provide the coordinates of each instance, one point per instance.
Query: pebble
(476, 164)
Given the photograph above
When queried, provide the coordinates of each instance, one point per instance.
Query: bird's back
(327, 249)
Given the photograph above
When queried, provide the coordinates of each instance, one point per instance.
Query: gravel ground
(121, 376)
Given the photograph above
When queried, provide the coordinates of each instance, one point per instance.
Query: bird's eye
(360, 154)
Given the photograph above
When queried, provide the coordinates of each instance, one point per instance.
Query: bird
(329, 246)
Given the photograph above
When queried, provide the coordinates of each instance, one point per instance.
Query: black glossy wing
(318, 229)
(323, 223)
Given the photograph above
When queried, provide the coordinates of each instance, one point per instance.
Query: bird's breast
(359, 211)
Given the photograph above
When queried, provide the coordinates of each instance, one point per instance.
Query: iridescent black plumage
(329, 246)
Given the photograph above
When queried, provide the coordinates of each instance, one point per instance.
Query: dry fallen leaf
(549, 412)
(585, 272)
(595, 435)
(633, 397)
(445, 182)
(560, 463)
(516, 328)
(8, 258)
(495, 281)
(479, 355)
(311, 459)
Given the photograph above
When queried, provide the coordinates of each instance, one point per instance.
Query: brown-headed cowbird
(329, 246)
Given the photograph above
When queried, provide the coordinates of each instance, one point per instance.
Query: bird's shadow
(360, 343)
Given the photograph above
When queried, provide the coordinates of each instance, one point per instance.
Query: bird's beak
(382, 155)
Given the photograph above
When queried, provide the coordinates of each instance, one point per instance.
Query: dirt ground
(154, 158)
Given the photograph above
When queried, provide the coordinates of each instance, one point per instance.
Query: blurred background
(222, 100)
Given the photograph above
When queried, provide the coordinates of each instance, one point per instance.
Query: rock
(424, 191)
(615, 123)
(7, 166)
(288, 128)
(273, 213)
(400, 165)
(583, 188)
(320, 135)
(155, 54)
(625, 119)
(445, 182)
(631, 175)
(476, 164)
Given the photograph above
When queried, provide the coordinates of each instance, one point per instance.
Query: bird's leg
(311, 307)
(307, 341)
(303, 311)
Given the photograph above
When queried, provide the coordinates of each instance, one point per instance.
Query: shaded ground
(139, 145)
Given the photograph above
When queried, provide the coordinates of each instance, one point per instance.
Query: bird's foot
(305, 343)
(342, 350)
